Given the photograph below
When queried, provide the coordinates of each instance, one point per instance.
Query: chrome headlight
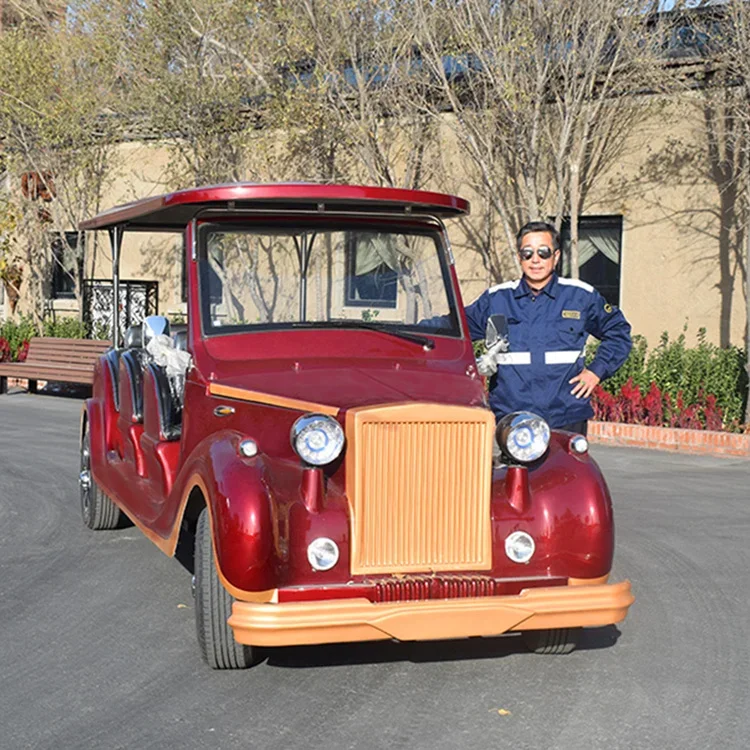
(322, 553)
(317, 439)
(523, 436)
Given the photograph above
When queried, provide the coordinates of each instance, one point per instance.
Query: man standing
(549, 320)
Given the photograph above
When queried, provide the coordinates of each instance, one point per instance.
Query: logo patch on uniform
(571, 314)
(608, 308)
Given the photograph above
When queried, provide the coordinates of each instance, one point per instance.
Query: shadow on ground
(380, 652)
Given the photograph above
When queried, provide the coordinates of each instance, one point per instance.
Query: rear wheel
(97, 510)
(213, 606)
(561, 641)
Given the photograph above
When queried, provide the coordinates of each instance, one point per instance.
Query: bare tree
(363, 58)
(539, 97)
(601, 59)
(490, 72)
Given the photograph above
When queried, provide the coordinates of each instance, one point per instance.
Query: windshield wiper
(415, 338)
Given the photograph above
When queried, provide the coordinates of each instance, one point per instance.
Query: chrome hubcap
(84, 480)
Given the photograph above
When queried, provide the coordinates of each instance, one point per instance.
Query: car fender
(240, 509)
(92, 415)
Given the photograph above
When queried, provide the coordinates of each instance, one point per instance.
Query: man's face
(537, 270)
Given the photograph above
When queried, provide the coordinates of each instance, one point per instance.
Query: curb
(670, 439)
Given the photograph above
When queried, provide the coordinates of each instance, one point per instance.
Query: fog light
(519, 547)
(579, 444)
(323, 553)
(248, 448)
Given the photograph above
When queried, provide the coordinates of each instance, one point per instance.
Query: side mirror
(497, 330)
(153, 326)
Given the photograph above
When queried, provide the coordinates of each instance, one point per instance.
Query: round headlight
(519, 547)
(322, 553)
(318, 439)
(523, 436)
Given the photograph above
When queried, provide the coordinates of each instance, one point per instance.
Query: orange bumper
(346, 620)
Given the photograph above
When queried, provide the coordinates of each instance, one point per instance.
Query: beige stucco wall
(146, 256)
(660, 185)
(670, 205)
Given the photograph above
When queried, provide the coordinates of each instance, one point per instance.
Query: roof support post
(303, 246)
(115, 242)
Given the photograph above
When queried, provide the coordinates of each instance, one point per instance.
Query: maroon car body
(412, 509)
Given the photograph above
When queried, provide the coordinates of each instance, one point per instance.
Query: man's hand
(487, 363)
(585, 383)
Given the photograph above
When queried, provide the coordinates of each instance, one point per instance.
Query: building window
(67, 264)
(599, 252)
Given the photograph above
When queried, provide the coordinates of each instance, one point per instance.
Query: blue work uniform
(548, 334)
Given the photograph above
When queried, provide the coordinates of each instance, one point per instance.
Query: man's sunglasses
(527, 253)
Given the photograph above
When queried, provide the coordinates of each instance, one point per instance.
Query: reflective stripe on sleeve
(567, 357)
(514, 358)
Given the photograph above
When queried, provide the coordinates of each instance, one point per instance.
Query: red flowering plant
(674, 385)
(4, 349)
(22, 351)
(656, 408)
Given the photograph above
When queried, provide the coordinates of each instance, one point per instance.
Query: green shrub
(692, 372)
(65, 328)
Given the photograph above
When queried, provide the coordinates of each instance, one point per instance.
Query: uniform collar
(523, 289)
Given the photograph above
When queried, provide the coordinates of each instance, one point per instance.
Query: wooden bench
(59, 360)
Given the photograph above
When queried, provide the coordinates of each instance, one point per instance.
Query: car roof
(173, 211)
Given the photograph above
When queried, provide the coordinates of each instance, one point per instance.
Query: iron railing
(138, 300)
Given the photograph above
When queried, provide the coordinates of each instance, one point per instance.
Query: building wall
(661, 185)
(666, 191)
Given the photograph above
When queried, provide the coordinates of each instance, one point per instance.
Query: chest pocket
(566, 333)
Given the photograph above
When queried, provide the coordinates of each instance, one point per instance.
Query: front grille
(435, 588)
(418, 480)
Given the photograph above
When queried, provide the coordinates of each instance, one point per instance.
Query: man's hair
(538, 226)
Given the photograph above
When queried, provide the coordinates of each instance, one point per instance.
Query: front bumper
(346, 620)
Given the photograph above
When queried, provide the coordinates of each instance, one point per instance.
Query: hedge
(673, 385)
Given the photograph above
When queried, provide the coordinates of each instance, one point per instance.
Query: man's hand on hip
(584, 383)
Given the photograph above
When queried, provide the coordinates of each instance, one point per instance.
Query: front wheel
(561, 641)
(97, 510)
(213, 606)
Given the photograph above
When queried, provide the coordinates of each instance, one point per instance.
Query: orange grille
(418, 480)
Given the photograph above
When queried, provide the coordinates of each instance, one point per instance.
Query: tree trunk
(575, 192)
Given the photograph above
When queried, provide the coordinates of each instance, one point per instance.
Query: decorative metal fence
(138, 300)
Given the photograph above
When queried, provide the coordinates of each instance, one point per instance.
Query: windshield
(274, 277)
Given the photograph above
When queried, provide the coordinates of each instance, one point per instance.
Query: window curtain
(593, 240)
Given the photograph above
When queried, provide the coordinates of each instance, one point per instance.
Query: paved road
(98, 648)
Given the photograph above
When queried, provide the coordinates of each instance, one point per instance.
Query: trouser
(581, 428)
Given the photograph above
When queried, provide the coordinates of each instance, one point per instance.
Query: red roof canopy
(175, 210)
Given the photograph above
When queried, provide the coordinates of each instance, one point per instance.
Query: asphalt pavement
(98, 645)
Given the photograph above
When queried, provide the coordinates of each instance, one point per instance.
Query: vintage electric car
(317, 445)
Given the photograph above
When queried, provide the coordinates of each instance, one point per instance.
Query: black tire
(561, 641)
(97, 510)
(213, 606)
